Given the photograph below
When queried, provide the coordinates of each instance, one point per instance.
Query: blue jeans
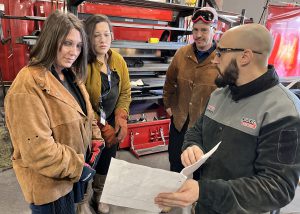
(63, 205)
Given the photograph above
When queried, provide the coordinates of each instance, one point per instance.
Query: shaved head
(250, 36)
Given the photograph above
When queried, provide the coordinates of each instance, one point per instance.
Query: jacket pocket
(287, 146)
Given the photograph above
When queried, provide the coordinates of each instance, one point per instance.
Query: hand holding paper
(135, 186)
(192, 168)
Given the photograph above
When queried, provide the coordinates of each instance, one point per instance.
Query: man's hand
(169, 111)
(185, 196)
(191, 155)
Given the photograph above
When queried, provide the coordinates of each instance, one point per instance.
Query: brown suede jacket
(49, 132)
(188, 85)
(117, 64)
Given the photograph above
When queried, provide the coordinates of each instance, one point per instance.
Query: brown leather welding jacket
(50, 134)
(188, 85)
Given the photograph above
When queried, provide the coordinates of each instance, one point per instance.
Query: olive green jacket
(117, 64)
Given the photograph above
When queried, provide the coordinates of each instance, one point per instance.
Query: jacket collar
(48, 83)
(97, 65)
(262, 83)
(192, 55)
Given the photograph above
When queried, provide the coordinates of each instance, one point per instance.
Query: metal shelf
(31, 40)
(150, 27)
(146, 98)
(144, 45)
(32, 18)
(150, 67)
(27, 40)
(150, 83)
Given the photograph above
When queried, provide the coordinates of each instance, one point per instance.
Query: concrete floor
(12, 201)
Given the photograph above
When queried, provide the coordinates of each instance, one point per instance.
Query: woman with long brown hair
(51, 122)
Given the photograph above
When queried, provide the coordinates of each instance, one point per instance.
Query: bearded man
(256, 167)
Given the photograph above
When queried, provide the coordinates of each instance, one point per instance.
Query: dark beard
(230, 75)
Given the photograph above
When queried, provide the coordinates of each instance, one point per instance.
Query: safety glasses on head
(203, 15)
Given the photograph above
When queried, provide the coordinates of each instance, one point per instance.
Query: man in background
(257, 165)
(190, 81)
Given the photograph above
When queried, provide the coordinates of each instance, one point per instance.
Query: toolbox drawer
(147, 137)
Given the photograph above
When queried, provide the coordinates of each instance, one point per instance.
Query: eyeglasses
(220, 50)
(204, 15)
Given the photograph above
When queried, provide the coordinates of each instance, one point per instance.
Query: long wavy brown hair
(55, 30)
(90, 25)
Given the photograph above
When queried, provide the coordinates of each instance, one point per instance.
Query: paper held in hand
(136, 186)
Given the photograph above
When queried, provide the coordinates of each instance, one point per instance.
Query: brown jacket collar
(46, 81)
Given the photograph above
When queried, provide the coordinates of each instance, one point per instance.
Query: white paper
(187, 171)
(136, 186)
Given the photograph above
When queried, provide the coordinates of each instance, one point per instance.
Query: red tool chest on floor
(147, 137)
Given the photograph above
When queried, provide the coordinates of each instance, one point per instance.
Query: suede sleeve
(170, 85)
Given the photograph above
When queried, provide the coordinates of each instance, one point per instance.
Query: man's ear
(246, 57)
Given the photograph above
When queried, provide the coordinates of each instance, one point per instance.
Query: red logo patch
(211, 108)
(247, 122)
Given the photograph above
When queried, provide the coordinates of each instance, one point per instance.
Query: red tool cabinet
(147, 137)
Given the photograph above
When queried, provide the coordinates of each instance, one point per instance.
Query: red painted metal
(44, 8)
(20, 28)
(127, 11)
(136, 34)
(146, 134)
(121, 33)
(15, 56)
(6, 62)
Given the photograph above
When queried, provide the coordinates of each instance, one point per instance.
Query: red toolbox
(147, 137)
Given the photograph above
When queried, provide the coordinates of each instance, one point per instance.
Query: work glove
(97, 148)
(121, 124)
(108, 134)
(87, 173)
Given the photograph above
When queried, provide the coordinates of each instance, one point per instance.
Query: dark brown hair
(55, 30)
(90, 25)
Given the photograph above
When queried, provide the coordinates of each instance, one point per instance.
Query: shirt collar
(262, 83)
(209, 51)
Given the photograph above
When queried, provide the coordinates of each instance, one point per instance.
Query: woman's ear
(112, 36)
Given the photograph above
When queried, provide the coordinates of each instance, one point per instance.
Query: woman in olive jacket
(108, 85)
(50, 119)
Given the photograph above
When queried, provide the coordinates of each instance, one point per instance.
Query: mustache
(230, 75)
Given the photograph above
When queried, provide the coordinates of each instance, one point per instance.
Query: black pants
(107, 153)
(176, 139)
(63, 205)
(105, 158)
(175, 143)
